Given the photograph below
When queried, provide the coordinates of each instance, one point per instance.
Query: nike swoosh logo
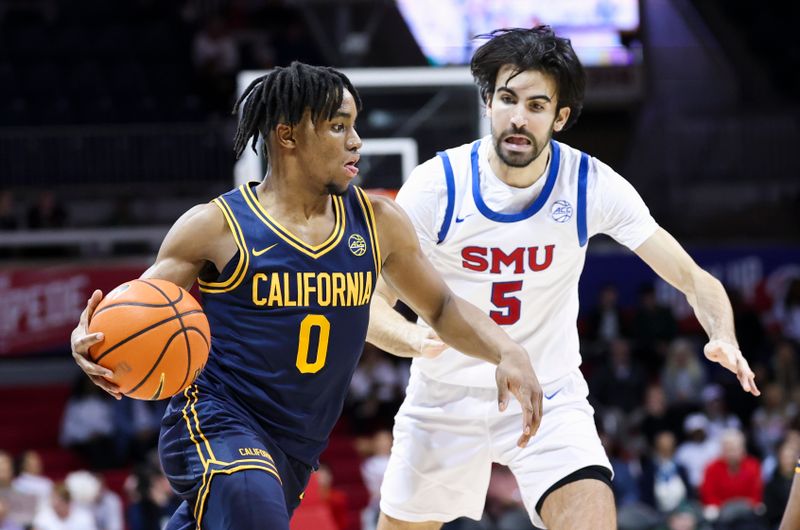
(259, 252)
(551, 396)
(461, 219)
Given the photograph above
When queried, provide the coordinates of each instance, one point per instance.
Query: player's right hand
(81, 340)
(515, 374)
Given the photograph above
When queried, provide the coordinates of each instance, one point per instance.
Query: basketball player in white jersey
(506, 220)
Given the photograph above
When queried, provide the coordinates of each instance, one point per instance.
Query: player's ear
(284, 135)
(561, 119)
(487, 110)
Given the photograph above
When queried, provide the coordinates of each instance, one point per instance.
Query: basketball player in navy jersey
(287, 267)
(791, 515)
(505, 220)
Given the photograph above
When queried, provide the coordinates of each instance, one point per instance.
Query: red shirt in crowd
(721, 484)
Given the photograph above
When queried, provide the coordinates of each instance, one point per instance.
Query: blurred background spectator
(735, 475)
(372, 470)
(62, 513)
(30, 478)
(88, 425)
(664, 482)
(20, 506)
(698, 449)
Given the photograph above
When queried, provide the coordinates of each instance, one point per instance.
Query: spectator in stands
(620, 384)
(785, 367)
(770, 463)
(776, 491)
(31, 479)
(606, 322)
(683, 376)
(787, 312)
(664, 483)
(749, 327)
(698, 450)
(151, 499)
(375, 391)
(624, 485)
(21, 506)
(8, 213)
(48, 212)
(715, 408)
(655, 416)
(216, 61)
(372, 471)
(6, 523)
(333, 497)
(653, 327)
(90, 492)
(62, 514)
(770, 421)
(734, 475)
(88, 425)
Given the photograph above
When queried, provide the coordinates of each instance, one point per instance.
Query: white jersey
(518, 253)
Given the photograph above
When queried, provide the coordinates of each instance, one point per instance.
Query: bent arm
(391, 332)
(200, 235)
(707, 297)
(408, 272)
(460, 324)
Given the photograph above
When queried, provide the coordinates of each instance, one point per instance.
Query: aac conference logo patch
(561, 211)
(357, 245)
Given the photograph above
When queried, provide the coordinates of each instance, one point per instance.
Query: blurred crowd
(29, 499)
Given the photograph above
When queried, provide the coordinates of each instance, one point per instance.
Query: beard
(514, 159)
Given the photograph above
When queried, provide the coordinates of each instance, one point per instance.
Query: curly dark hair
(531, 49)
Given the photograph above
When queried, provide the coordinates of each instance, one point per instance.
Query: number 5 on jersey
(511, 305)
(303, 345)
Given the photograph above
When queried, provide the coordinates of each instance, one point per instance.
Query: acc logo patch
(561, 211)
(357, 245)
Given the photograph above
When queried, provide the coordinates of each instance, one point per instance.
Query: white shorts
(447, 436)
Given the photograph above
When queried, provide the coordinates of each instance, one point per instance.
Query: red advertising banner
(39, 306)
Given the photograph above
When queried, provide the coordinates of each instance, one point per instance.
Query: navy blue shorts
(216, 458)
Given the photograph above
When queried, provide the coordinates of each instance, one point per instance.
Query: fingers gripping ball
(156, 338)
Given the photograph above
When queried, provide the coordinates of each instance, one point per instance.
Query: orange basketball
(156, 338)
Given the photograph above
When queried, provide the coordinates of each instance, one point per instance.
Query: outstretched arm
(708, 299)
(460, 324)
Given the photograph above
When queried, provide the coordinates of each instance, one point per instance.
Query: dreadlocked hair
(284, 95)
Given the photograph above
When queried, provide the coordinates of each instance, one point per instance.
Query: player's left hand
(731, 358)
(515, 375)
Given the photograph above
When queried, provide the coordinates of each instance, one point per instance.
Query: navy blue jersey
(288, 320)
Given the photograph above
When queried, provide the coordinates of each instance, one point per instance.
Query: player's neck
(519, 177)
(288, 195)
